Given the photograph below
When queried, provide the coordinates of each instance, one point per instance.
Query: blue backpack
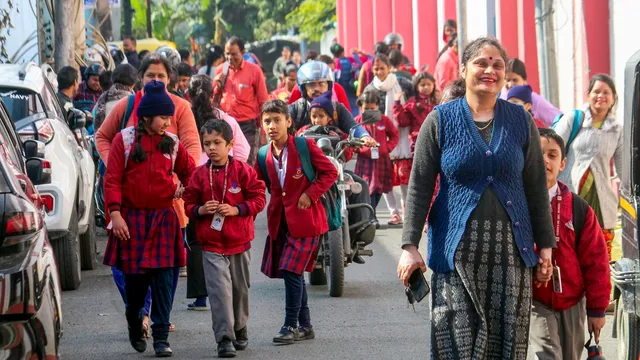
(578, 120)
(346, 76)
(332, 207)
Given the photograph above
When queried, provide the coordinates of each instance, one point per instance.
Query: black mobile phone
(418, 285)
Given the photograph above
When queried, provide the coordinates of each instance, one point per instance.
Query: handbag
(594, 352)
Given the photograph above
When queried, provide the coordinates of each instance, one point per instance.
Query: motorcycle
(339, 247)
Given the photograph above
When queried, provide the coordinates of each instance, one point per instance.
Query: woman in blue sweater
(491, 207)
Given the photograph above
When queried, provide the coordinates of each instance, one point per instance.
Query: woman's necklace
(486, 126)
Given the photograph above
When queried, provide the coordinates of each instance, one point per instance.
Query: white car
(34, 108)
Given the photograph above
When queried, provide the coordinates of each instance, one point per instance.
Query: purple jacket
(540, 107)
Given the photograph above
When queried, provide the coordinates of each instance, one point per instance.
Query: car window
(21, 103)
(51, 100)
(8, 146)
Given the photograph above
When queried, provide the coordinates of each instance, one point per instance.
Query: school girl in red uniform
(223, 198)
(374, 164)
(415, 110)
(145, 242)
(295, 215)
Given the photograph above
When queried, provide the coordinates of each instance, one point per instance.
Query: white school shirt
(282, 172)
(553, 191)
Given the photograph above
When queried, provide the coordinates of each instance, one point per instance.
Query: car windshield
(21, 103)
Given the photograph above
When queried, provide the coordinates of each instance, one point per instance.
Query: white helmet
(171, 54)
(93, 56)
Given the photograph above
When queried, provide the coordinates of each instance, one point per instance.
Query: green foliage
(313, 18)
(5, 28)
(271, 16)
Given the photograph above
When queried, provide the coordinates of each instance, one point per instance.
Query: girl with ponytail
(200, 92)
(145, 242)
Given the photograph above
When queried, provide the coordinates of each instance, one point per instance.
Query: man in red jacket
(579, 285)
(223, 198)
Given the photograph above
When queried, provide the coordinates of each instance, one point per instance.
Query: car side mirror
(33, 149)
(77, 119)
(38, 170)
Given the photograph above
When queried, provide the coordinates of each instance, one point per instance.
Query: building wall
(591, 36)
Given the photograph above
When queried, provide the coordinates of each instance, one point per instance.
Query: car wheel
(88, 246)
(628, 329)
(67, 253)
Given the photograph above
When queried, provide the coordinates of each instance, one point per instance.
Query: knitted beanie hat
(324, 102)
(522, 92)
(155, 101)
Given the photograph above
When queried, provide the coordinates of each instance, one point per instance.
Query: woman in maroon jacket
(146, 241)
(296, 217)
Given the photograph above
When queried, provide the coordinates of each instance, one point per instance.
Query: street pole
(461, 9)
(547, 51)
(127, 15)
(149, 29)
(64, 45)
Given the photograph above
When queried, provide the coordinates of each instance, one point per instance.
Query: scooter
(340, 246)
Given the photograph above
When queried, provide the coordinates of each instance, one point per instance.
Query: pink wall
(596, 18)
(427, 32)
(528, 42)
(382, 18)
(365, 30)
(403, 24)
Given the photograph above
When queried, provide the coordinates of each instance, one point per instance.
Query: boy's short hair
(105, 80)
(396, 58)
(275, 106)
(125, 74)
(326, 59)
(184, 54)
(550, 134)
(185, 70)
(369, 97)
(219, 126)
(67, 76)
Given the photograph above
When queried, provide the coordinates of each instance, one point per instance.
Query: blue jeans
(118, 278)
(296, 307)
(136, 289)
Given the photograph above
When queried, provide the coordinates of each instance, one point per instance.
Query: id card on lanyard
(556, 276)
(218, 219)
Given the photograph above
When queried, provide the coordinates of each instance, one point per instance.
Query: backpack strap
(174, 151)
(130, 103)
(262, 162)
(128, 135)
(579, 208)
(578, 119)
(335, 111)
(305, 158)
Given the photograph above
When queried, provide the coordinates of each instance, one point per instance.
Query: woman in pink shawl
(447, 68)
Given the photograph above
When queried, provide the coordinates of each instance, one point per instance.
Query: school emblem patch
(380, 127)
(234, 189)
(298, 174)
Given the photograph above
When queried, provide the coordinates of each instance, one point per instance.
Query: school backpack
(579, 207)
(128, 136)
(332, 208)
(578, 120)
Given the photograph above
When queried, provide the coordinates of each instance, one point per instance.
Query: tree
(5, 28)
(313, 18)
(271, 17)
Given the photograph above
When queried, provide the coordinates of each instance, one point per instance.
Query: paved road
(371, 320)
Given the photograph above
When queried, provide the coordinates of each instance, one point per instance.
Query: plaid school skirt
(402, 171)
(156, 242)
(377, 173)
(286, 253)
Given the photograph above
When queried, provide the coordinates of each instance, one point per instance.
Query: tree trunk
(149, 28)
(127, 16)
(103, 19)
(64, 44)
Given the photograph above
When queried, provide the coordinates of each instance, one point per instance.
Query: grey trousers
(227, 279)
(557, 335)
(252, 133)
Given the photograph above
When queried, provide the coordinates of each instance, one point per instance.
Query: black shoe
(305, 333)
(376, 223)
(137, 340)
(242, 341)
(162, 349)
(226, 348)
(287, 335)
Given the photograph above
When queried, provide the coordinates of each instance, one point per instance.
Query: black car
(30, 297)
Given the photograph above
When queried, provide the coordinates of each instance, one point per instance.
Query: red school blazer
(301, 222)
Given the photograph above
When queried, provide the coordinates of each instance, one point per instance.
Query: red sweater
(385, 133)
(584, 268)
(148, 184)
(244, 191)
(409, 115)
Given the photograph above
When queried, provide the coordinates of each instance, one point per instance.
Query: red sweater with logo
(244, 191)
(584, 266)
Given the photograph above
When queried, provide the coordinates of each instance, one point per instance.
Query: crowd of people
(511, 203)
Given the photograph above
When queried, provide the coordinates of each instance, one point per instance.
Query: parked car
(70, 212)
(30, 297)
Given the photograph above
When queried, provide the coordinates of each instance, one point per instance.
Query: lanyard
(556, 225)
(224, 189)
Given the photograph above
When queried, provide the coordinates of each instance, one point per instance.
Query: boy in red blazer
(296, 217)
(223, 198)
(582, 290)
